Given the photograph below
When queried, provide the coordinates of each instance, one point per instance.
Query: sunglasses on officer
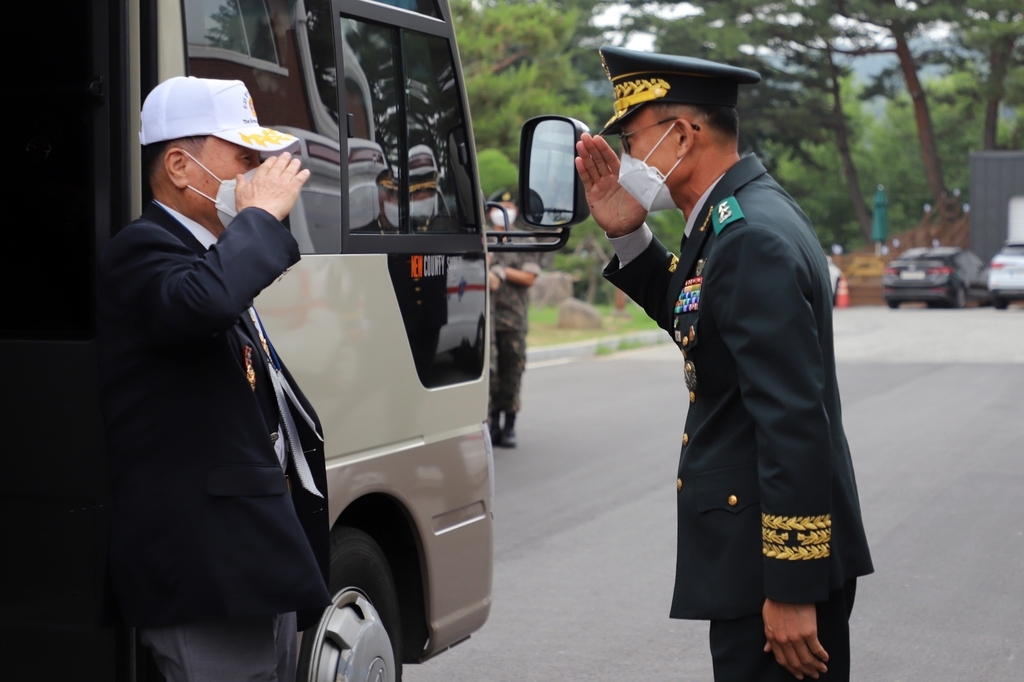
(624, 137)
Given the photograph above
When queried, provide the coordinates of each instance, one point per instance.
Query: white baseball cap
(192, 107)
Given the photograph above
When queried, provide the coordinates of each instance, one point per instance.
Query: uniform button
(686, 340)
(686, 439)
(683, 351)
(693, 397)
(679, 484)
(733, 501)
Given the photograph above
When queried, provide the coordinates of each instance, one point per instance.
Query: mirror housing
(551, 194)
(550, 189)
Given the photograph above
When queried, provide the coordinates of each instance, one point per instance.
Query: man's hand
(614, 209)
(274, 187)
(792, 632)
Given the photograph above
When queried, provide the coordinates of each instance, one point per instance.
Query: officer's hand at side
(792, 633)
(614, 209)
(274, 187)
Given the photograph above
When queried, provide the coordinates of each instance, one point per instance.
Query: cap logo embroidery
(634, 92)
(266, 136)
(252, 106)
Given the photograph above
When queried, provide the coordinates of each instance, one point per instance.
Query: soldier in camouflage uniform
(511, 276)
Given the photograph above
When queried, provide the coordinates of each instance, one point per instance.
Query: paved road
(585, 525)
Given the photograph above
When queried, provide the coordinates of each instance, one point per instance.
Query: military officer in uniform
(770, 537)
(511, 275)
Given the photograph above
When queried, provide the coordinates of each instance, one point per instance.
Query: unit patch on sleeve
(724, 213)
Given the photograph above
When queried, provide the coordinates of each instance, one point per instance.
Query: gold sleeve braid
(814, 535)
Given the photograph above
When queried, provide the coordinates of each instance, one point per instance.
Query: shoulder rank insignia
(724, 213)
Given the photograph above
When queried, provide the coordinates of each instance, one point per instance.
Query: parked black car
(945, 276)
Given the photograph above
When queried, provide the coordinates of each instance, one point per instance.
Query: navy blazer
(766, 495)
(203, 523)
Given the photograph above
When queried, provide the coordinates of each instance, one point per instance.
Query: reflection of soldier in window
(423, 195)
(390, 219)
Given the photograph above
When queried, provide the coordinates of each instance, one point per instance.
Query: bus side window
(375, 128)
(286, 59)
(440, 186)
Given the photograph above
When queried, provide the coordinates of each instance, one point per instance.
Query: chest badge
(688, 302)
(250, 373)
(700, 266)
(689, 297)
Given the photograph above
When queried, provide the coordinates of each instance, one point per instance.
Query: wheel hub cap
(352, 644)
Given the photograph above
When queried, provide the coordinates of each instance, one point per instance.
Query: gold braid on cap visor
(636, 92)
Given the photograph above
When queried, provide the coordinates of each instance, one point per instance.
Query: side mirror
(552, 192)
(552, 198)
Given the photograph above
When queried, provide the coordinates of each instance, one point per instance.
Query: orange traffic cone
(842, 293)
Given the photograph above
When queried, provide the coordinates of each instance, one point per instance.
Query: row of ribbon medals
(689, 302)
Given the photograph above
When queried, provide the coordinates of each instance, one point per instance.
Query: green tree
(496, 171)
(799, 105)
(517, 61)
(990, 34)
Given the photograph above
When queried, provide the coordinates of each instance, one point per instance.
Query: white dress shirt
(202, 235)
(206, 238)
(628, 247)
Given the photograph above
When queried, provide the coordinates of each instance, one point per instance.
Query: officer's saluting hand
(770, 537)
(614, 209)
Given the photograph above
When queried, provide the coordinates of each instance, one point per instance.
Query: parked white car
(1006, 275)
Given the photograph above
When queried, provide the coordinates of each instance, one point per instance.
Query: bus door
(66, 186)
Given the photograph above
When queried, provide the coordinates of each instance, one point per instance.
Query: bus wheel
(359, 636)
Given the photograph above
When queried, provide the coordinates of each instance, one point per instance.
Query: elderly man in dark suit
(770, 537)
(220, 530)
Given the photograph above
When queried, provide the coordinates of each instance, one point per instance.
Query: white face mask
(391, 214)
(498, 218)
(645, 183)
(225, 201)
(423, 209)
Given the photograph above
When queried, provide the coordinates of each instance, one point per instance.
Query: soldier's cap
(502, 195)
(195, 107)
(643, 77)
(422, 168)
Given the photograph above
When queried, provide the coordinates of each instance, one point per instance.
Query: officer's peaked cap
(643, 77)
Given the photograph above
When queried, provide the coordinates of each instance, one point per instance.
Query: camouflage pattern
(508, 332)
(510, 301)
(508, 359)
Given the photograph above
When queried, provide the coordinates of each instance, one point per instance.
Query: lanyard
(268, 348)
(280, 383)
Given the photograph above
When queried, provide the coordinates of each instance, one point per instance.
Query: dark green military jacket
(767, 502)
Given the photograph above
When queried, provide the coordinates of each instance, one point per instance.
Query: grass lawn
(545, 332)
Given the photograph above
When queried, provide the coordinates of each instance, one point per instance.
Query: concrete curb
(586, 349)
